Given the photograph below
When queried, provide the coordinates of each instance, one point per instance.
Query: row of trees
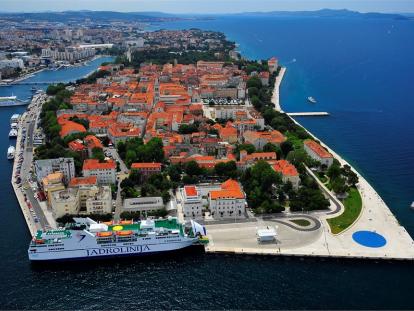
(134, 150)
(55, 146)
(341, 178)
(154, 185)
(93, 77)
(258, 183)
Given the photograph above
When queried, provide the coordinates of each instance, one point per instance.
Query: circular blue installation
(369, 239)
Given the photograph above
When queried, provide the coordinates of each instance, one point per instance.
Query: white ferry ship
(87, 239)
(10, 152)
(11, 101)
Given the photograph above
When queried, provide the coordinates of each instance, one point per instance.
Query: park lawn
(296, 142)
(301, 222)
(353, 207)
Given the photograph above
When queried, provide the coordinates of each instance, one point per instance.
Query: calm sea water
(359, 70)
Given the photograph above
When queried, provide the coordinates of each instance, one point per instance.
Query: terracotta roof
(146, 165)
(93, 142)
(69, 127)
(79, 181)
(230, 189)
(284, 167)
(76, 145)
(190, 191)
(318, 149)
(94, 164)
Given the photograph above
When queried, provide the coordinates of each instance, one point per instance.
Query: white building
(99, 199)
(48, 166)
(317, 152)
(68, 54)
(12, 63)
(85, 199)
(65, 202)
(104, 171)
(191, 202)
(143, 204)
(228, 202)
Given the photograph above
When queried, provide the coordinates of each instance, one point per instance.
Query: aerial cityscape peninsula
(133, 134)
(182, 127)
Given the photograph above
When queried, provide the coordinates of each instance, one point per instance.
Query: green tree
(269, 147)
(286, 147)
(193, 169)
(226, 169)
(254, 82)
(174, 171)
(97, 153)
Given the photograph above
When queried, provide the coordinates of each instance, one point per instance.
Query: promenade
(317, 239)
(276, 90)
(36, 214)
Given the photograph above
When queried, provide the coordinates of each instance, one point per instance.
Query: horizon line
(195, 14)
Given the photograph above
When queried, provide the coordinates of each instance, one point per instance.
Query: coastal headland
(374, 234)
(318, 240)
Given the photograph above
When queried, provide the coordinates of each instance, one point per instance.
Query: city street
(26, 166)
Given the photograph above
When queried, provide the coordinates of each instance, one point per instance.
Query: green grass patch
(353, 207)
(301, 222)
(296, 141)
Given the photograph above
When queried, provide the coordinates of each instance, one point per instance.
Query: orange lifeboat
(104, 234)
(126, 222)
(124, 233)
(40, 241)
(108, 223)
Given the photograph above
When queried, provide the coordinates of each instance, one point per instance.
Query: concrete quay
(28, 216)
(38, 216)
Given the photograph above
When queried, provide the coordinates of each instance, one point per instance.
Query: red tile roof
(146, 165)
(93, 142)
(318, 149)
(191, 191)
(79, 181)
(230, 189)
(70, 127)
(285, 168)
(94, 164)
(76, 145)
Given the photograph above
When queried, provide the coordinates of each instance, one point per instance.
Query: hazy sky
(206, 6)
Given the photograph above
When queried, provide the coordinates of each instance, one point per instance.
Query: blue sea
(359, 70)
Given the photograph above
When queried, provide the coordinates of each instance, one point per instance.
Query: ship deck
(162, 223)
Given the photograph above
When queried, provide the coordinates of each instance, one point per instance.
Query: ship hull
(107, 252)
(10, 104)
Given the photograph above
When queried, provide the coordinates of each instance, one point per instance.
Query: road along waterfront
(36, 213)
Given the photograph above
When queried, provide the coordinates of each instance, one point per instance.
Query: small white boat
(13, 133)
(412, 205)
(312, 100)
(10, 152)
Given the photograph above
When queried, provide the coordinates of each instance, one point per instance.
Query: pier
(308, 114)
